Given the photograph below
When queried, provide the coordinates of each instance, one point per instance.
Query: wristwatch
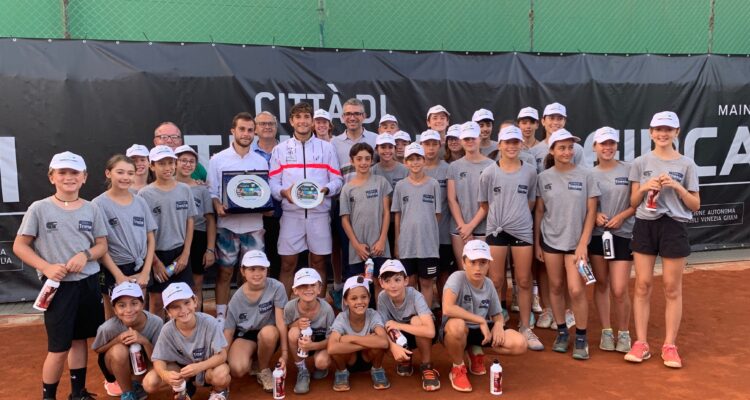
(87, 253)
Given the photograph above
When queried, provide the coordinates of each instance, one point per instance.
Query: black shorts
(506, 239)
(359, 268)
(197, 250)
(621, 248)
(75, 313)
(251, 335)
(548, 249)
(360, 365)
(448, 262)
(167, 257)
(425, 268)
(107, 281)
(475, 336)
(665, 237)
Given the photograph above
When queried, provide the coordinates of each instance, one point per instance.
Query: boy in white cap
(61, 237)
(528, 122)
(139, 154)
(307, 310)
(191, 351)
(255, 320)
(472, 316)
(405, 312)
(402, 140)
(554, 118)
(173, 208)
(416, 204)
(323, 126)
(485, 119)
(131, 324)
(388, 124)
(438, 119)
(203, 246)
(358, 340)
(388, 166)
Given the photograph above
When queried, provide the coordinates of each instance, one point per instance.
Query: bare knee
(269, 334)
(220, 376)
(455, 327)
(151, 382)
(322, 360)
(672, 291)
(118, 354)
(642, 288)
(293, 334)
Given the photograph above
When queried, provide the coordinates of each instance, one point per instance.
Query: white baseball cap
(160, 152)
(320, 113)
(68, 160)
(509, 132)
(429, 135)
(454, 131)
(413, 148)
(385, 138)
(255, 258)
(477, 249)
(354, 282)
(665, 118)
(555, 108)
(137, 150)
(392, 266)
(437, 109)
(603, 134)
(482, 114)
(561, 134)
(528, 112)
(401, 135)
(176, 291)
(469, 130)
(306, 276)
(126, 289)
(185, 149)
(387, 118)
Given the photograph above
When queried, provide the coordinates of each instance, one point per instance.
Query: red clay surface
(712, 342)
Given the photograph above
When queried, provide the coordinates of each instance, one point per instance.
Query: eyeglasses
(269, 124)
(169, 137)
(354, 114)
(186, 162)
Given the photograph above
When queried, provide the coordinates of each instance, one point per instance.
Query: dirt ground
(712, 343)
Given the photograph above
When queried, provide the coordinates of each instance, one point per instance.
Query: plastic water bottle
(137, 360)
(180, 391)
(398, 338)
(278, 382)
(369, 268)
(307, 332)
(585, 270)
(171, 268)
(608, 245)
(496, 378)
(45, 296)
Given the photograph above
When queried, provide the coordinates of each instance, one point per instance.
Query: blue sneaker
(379, 379)
(128, 396)
(140, 392)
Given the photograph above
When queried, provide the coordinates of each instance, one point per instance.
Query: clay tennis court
(712, 342)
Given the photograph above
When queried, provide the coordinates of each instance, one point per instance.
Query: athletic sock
(476, 350)
(580, 332)
(300, 365)
(458, 365)
(77, 381)
(221, 309)
(562, 329)
(49, 390)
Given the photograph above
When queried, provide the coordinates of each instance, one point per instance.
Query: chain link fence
(549, 26)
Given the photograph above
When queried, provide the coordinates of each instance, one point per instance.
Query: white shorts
(298, 234)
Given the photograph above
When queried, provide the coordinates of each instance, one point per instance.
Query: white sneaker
(532, 340)
(536, 306)
(545, 319)
(265, 378)
(514, 303)
(570, 318)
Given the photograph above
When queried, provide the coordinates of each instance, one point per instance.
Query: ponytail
(549, 161)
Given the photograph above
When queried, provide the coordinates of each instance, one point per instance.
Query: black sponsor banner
(98, 98)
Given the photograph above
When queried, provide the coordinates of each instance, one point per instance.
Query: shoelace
(429, 374)
(670, 351)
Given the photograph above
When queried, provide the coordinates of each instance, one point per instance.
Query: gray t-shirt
(243, 315)
(171, 211)
(60, 234)
(483, 301)
(342, 325)
(393, 176)
(465, 175)
(113, 327)
(508, 196)
(565, 195)
(127, 227)
(418, 204)
(682, 170)
(364, 206)
(203, 205)
(489, 148)
(206, 341)
(614, 187)
(440, 174)
(320, 325)
(414, 304)
(541, 149)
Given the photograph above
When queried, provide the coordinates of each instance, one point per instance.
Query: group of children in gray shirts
(457, 216)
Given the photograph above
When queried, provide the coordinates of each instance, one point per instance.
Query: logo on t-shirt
(497, 189)
(156, 210)
(523, 189)
(647, 173)
(198, 202)
(85, 226)
(139, 221)
(181, 205)
(405, 199)
(443, 183)
(114, 221)
(242, 317)
(467, 298)
(575, 186)
(548, 187)
(484, 304)
(51, 226)
(199, 353)
(678, 176)
(621, 181)
(462, 175)
(265, 307)
(428, 198)
(372, 193)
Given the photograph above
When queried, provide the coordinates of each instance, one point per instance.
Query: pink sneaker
(638, 352)
(112, 389)
(670, 356)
